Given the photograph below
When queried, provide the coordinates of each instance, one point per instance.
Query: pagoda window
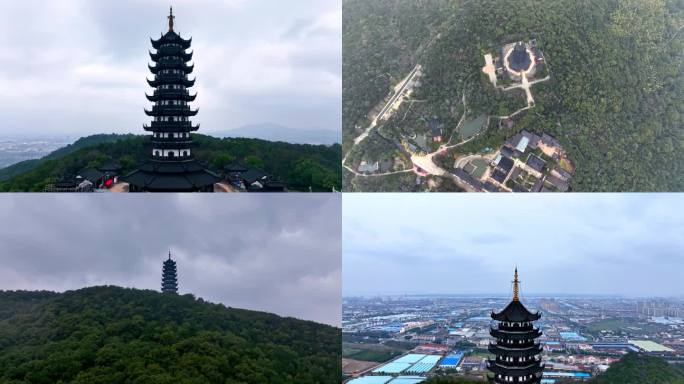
(156, 153)
(185, 153)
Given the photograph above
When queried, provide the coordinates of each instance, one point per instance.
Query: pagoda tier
(171, 80)
(170, 54)
(172, 166)
(177, 65)
(169, 276)
(173, 111)
(515, 347)
(171, 38)
(169, 127)
(171, 94)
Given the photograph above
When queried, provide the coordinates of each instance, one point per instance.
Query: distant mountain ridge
(118, 335)
(275, 132)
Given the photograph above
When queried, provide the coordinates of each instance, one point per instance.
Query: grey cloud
(572, 243)
(273, 253)
(256, 62)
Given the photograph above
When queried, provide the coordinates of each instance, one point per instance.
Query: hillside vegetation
(114, 335)
(300, 166)
(641, 369)
(614, 100)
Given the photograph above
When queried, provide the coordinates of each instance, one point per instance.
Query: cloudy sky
(78, 66)
(278, 254)
(608, 244)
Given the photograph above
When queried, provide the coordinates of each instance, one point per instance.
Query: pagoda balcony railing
(171, 109)
(172, 77)
(172, 158)
(162, 91)
(533, 360)
(518, 349)
(519, 345)
(171, 139)
(175, 62)
(515, 327)
(515, 334)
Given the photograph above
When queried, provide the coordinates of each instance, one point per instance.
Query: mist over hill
(275, 132)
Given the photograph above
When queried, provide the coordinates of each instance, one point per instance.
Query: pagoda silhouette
(172, 166)
(518, 353)
(169, 276)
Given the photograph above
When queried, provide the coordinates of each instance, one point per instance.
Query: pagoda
(169, 276)
(518, 354)
(172, 166)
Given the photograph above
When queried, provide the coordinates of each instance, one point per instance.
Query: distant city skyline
(278, 253)
(628, 245)
(72, 67)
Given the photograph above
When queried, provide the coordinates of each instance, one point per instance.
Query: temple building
(518, 353)
(172, 166)
(169, 276)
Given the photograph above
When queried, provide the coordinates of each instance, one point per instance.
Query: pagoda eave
(515, 352)
(170, 128)
(165, 81)
(171, 112)
(187, 69)
(157, 144)
(511, 370)
(524, 335)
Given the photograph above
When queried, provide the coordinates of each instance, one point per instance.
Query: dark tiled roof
(92, 175)
(559, 183)
(505, 165)
(498, 175)
(519, 60)
(165, 176)
(235, 168)
(535, 162)
(253, 175)
(515, 312)
(490, 187)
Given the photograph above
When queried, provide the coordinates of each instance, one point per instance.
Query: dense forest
(614, 100)
(641, 369)
(114, 335)
(300, 166)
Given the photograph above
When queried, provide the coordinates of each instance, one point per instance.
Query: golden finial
(171, 17)
(516, 286)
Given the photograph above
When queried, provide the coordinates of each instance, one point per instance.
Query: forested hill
(114, 335)
(641, 369)
(300, 166)
(615, 95)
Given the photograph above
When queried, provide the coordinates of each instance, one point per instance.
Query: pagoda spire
(516, 286)
(514, 343)
(171, 18)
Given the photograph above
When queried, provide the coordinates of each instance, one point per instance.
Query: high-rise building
(169, 276)
(518, 353)
(172, 166)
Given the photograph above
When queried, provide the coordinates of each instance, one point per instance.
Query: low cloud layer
(79, 66)
(271, 253)
(606, 244)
